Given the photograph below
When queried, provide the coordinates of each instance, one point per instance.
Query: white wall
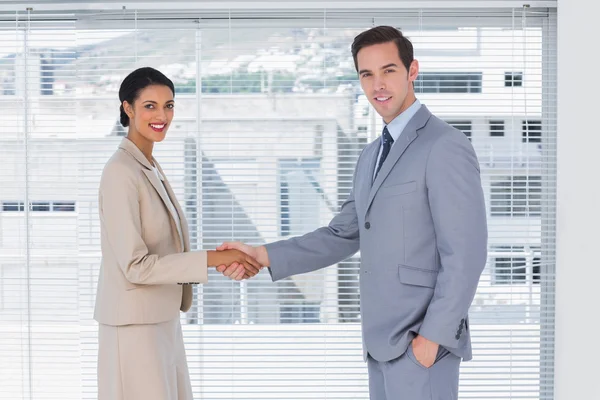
(578, 272)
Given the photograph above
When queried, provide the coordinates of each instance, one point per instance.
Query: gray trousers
(404, 378)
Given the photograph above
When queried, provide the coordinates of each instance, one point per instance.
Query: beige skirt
(143, 362)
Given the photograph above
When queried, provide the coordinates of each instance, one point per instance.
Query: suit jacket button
(367, 225)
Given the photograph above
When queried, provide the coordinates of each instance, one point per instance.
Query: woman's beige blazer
(145, 274)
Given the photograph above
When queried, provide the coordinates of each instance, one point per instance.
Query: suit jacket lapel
(363, 187)
(181, 215)
(136, 153)
(151, 175)
(406, 138)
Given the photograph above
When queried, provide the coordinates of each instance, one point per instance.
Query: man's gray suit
(421, 229)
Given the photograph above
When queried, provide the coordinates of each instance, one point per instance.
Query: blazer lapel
(363, 188)
(180, 214)
(406, 138)
(136, 153)
(151, 175)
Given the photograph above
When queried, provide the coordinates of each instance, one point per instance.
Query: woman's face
(152, 112)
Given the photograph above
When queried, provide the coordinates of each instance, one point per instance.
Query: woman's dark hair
(384, 34)
(135, 82)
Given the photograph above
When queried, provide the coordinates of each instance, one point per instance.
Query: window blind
(269, 122)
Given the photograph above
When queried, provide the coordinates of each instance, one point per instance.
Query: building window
(513, 79)
(515, 264)
(63, 206)
(510, 270)
(302, 313)
(536, 269)
(444, 82)
(496, 128)
(318, 144)
(39, 206)
(516, 196)
(465, 127)
(47, 65)
(9, 206)
(532, 131)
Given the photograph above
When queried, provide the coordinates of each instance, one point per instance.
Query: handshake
(237, 260)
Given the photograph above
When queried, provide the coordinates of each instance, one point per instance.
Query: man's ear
(413, 71)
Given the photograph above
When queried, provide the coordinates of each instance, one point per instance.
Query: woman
(146, 263)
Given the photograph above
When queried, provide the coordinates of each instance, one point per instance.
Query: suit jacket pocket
(398, 189)
(417, 276)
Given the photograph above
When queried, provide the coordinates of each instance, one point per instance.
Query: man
(417, 213)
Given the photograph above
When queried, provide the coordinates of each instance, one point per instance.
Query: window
(318, 141)
(510, 270)
(532, 131)
(452, 82)
(47, 67)
(515, 265)
(517, 196)
(513, 79)
(496, 128)
(465, 127)
(39, 206)
(8, 206)
(269, 123)
(63, 206)
(536, 269)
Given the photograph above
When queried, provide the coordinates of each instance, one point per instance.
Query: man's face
(385, 80)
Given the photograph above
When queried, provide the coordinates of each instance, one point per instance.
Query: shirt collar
(397, 125)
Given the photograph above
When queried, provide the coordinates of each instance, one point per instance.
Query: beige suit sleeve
(120, 216)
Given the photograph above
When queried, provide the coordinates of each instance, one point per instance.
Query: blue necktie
(388, 140)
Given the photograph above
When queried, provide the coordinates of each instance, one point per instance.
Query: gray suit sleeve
(318, 249)
(459, 216)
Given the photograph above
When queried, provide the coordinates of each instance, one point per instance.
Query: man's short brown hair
(384, 34)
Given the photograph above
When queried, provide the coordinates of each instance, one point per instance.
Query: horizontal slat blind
(39, 283)
(268, 126)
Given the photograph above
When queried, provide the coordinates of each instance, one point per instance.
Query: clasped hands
(237, 260)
